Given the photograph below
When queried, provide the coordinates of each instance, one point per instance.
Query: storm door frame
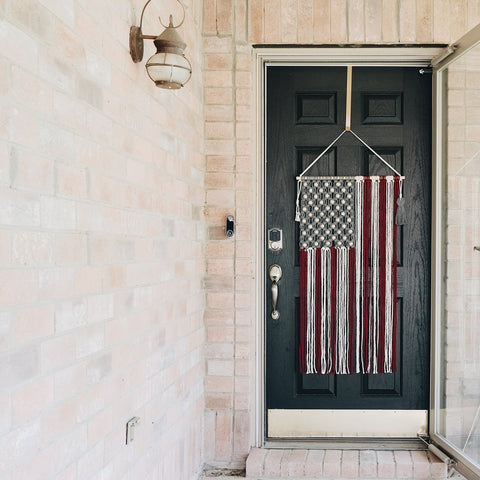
(400, 56)
(470, 40)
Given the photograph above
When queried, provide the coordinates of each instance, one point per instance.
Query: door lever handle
(476, 248)
(275, 273)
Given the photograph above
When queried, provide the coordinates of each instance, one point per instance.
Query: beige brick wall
(116, 280)
(230, 28)
(101, 246)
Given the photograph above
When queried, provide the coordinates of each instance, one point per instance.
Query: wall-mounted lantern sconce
(168, 68)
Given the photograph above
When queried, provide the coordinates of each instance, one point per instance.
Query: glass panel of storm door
(458, 419)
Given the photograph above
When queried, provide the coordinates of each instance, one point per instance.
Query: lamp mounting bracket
(136, 43)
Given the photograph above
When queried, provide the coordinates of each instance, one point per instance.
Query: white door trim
(365, 56)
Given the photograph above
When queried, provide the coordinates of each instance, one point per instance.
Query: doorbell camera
(229, 226)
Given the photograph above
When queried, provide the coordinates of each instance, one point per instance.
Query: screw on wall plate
(131, 424)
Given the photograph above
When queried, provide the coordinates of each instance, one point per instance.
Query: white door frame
(341, 56)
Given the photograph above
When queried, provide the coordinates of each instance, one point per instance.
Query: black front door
(391, 111)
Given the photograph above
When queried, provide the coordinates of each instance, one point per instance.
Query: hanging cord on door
(400, 216)
(348, 101)
(299, 178)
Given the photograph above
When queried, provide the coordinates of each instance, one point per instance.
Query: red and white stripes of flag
(348, 274)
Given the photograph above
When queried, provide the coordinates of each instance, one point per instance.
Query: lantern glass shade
(169, 70)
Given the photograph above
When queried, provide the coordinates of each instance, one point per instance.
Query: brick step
(263, 463)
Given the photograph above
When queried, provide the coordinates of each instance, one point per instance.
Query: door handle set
(275, 273)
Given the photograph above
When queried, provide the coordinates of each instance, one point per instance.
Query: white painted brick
(80, 141)
(19, 366)
(32, 399)
(5, 412)
(90, 463)
(55, 142)
(69, 111)
(19, 445)
(98, 68)
(19, 47)
(65, 450)
(64, 10)
(57, 352)
(32, 248)
(100, 308)
(5, 329)
(99, 368)
(55, 282)
(58, 213)
(33, 324)
(19, 209)
(5, 164)
(89, 340)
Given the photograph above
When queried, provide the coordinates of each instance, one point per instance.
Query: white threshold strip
(347, 423)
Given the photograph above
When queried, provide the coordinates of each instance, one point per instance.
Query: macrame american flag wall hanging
(348, 277)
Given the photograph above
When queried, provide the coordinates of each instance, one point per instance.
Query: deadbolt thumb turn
(275, 272)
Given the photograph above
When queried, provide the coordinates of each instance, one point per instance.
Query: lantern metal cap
(170, 40)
